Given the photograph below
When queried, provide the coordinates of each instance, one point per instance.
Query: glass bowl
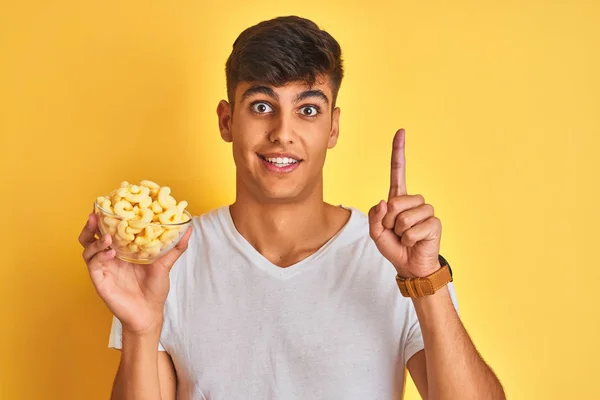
(137, 241)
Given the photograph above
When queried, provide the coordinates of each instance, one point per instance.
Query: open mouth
(280, 162)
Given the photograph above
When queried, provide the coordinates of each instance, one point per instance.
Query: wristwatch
(428, 285)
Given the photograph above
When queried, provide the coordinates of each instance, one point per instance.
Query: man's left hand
(404, 228)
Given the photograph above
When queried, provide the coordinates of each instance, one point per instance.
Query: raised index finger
(398, 167)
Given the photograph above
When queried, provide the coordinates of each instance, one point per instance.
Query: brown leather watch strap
(426, 286)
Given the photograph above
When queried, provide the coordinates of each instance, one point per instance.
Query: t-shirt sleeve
(414, 340)
(115, 340)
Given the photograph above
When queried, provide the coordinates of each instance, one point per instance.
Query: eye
(261, 108)
(309, 111)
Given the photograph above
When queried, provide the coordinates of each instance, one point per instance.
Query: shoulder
(209, 219)
(357, 243)
(206, 226)
(356, 230)
(206, 235)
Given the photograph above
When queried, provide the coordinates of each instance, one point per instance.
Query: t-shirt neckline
(264, 264)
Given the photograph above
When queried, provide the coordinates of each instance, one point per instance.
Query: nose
(282, 132)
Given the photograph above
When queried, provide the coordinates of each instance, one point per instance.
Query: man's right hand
(134, 293)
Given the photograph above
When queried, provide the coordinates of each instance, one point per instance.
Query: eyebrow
(256, 89)
(311, 94)
(267, 91)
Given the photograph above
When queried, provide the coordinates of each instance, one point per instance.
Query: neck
(285, 233)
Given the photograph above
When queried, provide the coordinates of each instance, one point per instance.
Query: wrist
(139, 351)
(421, 273)
(433, 310)
(426, 283)
(441, 295)
(149, 332)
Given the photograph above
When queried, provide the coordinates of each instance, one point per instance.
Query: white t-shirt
(333, 326)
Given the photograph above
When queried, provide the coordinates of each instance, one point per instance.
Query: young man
(281, 295)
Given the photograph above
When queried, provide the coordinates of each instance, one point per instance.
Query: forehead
(287, 92)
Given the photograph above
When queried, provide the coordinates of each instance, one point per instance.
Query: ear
(335, 128)
(225, 117)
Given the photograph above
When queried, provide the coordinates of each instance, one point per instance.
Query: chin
(280, 195)
(280, 198)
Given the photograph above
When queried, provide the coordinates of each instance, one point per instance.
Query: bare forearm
(137, 377)
(455, 370)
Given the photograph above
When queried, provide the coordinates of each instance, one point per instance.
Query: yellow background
(502, 109)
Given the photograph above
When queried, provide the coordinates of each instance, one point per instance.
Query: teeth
(281, 161)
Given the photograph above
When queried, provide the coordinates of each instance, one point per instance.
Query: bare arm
(144, 372)
(417, 366)
(136, 295)
(407, 233)
(450, 367)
